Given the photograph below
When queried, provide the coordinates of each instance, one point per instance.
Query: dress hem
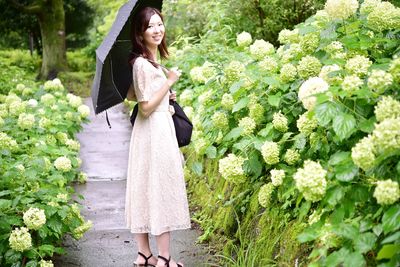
(147, 230)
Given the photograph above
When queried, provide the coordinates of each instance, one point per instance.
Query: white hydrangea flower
(16, 108)
(227, 102)
(308, 66)
(395, 69)
(53, 85)
(63, 197)
(288, 73)
(200, 146)
(75, 101)
(231, 168)
(277, 177)
(368, 6)
(352, 83)
(363, 153)
(385, 16)
(387, 192)
(186, 97)
(20, 168)
(268, 65)
(326, 73)
(206, 98)
(196, 74)
(387, 108)
(26, 121)
(78, 232)
(82, 177)
(270, 152)
(44, 123)
(256, 112)
(334, 48)
(292, 53)
(314, 217)
(379, 81)
(62, 137)
(358, 65)
(234, 71)
(84, 111)
(20, 239)
(289, 36)
(280, 122)
(341, 9)
(44, 263)
(309, 42)
(260, 48)
(72, 144)
(20, 87)
(34, 218)
(291, 156)
(11, 98)
(310, 180)
(220, 120)
(309, 88)
(48, 99)
(3, 110)
(63, 164)
(243, 39)
(32, 103)
(386, 135)
(264, 195)
(248, 125)
(305, 124)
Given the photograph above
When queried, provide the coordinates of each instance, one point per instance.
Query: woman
(156, 200)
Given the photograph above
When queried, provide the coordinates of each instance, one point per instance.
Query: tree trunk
(52, 27)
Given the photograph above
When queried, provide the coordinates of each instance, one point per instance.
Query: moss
(78, 83)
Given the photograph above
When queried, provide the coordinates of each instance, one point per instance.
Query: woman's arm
(131, 94)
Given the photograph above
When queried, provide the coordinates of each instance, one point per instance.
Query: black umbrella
(113, 72)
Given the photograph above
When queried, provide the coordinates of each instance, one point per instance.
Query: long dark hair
(140, 23)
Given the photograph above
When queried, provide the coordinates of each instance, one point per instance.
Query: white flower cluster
(394, 69)
(384, 16)
(308, 66)
(341, 9)
(328, 74)
(270, 152)
(314, 217)
(32, 103)
(6, 142)
(26, 121)
(202, 74)
(44, 263)
(15, 108)
(73, 145)
(74, 101)
(363, 153)
(358, 65)
(47, 99)
(63, 164)
(288, 73)
(78, 232)
(292, 53)
(277, 177)
(186, 97)
(334, 48)
(231, 168)
(312, 86)
(20, 239)
(256, 111)
(379, 81)
(34, 218)
(289, 36)
(62, 137)
(264, 195)
(260, 48)
(200, 145)
(368, 6)
(82, 177)
(234, 71)
(310, 180)
(280, 122)
(291, 156)
(53, 85)
(248, 125)
(309, 42)
(268, 65)
(387, 192)
(243, 39)
(206, 98)
(352, 83)
(84, 111)
(220, 120)
(387, 108)
(227, 102)
(386, 135)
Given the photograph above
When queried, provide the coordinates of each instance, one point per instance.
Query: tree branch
(34, 8)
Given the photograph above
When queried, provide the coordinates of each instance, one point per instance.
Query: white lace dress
(156, 200)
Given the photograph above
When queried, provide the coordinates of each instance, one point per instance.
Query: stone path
(109, 243)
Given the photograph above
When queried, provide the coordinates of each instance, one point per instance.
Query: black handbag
(183, 126)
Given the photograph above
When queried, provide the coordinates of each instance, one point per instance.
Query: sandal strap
(146, 258)
(165, 259)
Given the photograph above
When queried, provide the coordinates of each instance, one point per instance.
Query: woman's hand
(172, 95)
(173, 75)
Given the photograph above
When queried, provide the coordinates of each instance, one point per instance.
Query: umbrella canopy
(113, 72)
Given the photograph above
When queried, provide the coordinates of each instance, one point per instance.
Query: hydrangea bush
(39, 159)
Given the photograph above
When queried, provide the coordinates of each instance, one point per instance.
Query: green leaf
(46, 250)
(388, 251)
(242, 144)
(242, 103)
(13, 256)
(5, 204)
(253, 165)
(307, 235)
(391, 219)
(266, 131)
(233, 134)
(337, 257)
(211, 152)
(392, 238)
(344, 125)
(354, 260)
(32, 263)
(346, 172)
(367, 126)
(326, 112)
(197, 168)
(364, 242)
(274, 100)
(378, 229)
(346, 230)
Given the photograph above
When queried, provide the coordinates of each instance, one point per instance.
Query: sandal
(167, 261)
(146, 264)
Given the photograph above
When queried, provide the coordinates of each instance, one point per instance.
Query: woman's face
(154, 33)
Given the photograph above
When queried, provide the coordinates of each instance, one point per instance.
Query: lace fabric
(156, 199)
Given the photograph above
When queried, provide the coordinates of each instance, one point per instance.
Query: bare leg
(142, 241)
(163, 249)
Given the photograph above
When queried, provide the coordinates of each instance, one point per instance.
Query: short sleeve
(141, 80)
